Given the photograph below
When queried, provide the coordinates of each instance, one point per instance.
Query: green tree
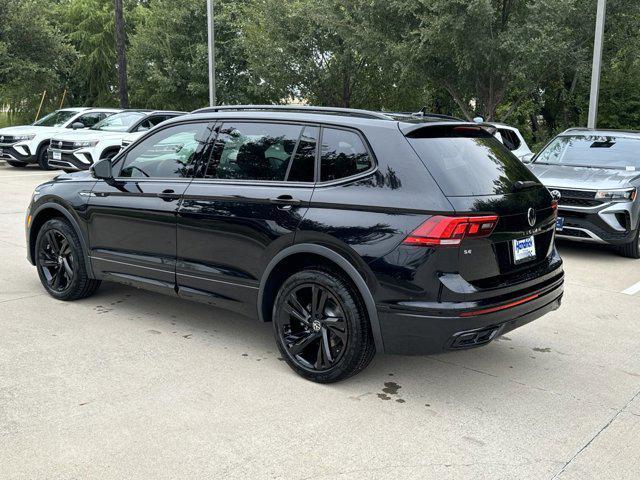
(322, 52)
(33, 57)
(168, 57)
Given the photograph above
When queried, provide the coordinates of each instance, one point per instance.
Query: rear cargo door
(479, 175)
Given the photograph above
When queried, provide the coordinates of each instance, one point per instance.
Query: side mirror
(102, 170)
(527, 158)
(77, 125)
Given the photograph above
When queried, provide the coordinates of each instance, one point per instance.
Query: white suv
(73, 151)
(513, 140)
(26, 144)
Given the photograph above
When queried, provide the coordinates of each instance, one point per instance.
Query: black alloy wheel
(60, 262)
(313, 327)
(56, 260)
(321, 326)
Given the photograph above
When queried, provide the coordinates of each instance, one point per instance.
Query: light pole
(597, 64)
(212, 54)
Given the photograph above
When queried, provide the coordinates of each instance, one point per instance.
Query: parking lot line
(633, 289)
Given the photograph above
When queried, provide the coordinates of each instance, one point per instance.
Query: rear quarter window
(343, 154)
(468, 161)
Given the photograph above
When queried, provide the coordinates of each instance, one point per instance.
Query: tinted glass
(170, 153)
(149, 123)
(90, 119)
(467, 161)
(55, 119)
(510, 139)
(593, 151)
(253, 151)
(304, 160)
(120, 122)
(343, 155)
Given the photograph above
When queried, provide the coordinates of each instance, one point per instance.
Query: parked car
(26, 144)
(352, 232)
(79, 150)
(597, 174)
(513, 140)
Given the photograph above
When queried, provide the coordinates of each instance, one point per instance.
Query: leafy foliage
(527, 62)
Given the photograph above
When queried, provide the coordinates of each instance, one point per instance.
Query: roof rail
(352, 112)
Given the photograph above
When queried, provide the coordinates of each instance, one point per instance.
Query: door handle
(168, 195)
(285, 202)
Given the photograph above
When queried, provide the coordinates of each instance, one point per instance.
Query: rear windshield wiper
(523, 185)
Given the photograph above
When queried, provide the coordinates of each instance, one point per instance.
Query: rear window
(593, 151)
(468, 161)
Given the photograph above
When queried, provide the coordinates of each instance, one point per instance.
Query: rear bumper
(413, 332)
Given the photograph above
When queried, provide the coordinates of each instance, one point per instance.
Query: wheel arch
(281, 265)
(43, 214)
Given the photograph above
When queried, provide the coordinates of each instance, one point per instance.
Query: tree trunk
(122, 58)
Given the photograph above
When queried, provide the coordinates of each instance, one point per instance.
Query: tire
(60, 262)
(16, 164)
(631, 249)
(314, 342)
(43, 159)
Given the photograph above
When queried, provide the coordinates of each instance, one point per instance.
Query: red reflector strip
(501, 307)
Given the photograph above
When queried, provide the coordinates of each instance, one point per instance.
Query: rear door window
(468, 161)
(258, 151)
(343, 155)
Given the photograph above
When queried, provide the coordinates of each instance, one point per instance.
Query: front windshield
(55, 119)
(120, 122)
(593, 151)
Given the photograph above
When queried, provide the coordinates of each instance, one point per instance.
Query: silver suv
(597, 174)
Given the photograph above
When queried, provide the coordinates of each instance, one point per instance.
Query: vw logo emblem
(59, 144)
(1, 139)
(556, 194)
(531, 217)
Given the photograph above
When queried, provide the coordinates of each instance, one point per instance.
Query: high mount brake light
(449, 231)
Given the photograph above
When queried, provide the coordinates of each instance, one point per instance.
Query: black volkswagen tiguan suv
(353, 232)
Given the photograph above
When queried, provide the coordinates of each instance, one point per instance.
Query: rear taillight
(445, 231)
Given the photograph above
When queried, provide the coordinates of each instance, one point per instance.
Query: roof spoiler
(416, 129)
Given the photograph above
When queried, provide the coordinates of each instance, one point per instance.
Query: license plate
(524, 249)
(559, 224)
(57, 156)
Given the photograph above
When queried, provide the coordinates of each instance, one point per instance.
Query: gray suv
(596, 174)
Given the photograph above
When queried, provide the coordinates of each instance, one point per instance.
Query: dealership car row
(596, 174)
(270, 211)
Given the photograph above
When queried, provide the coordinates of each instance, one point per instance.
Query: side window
(170, 153)
(510, 139)
(253, 151)
(151, 122)
(343, 155)
(144, 126)
(90, 119)
(304, 161)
